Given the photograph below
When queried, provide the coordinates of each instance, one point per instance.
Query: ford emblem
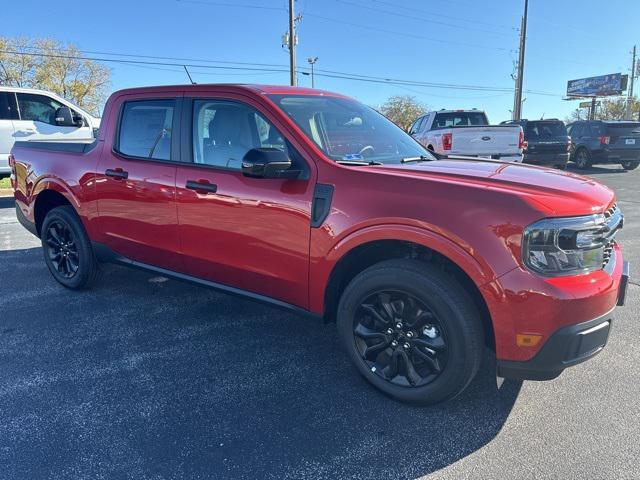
(485, 138)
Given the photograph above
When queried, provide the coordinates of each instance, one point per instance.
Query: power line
(414, 17)
(319, 72)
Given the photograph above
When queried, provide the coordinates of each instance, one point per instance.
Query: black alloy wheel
(67, 249)
(627, 165)
(412, 330)
(62, 249)
(400, 338)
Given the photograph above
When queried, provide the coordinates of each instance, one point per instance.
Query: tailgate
(491, 140)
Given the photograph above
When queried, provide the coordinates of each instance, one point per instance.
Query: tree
(609, 109)
(403, 110)
(51, 65)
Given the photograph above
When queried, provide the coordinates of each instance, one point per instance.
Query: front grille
(608, 251)
(610, 211)
(614, 221)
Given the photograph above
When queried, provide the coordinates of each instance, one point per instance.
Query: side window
(576, 130)
(8, 110)
(146, 129)
(38, 108)
(415, 128)
(223, 132)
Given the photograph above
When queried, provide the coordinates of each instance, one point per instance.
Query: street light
(312, 61)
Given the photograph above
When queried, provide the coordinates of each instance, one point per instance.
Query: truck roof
(254, 88)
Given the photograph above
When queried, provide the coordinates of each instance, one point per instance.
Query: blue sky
(461, 42)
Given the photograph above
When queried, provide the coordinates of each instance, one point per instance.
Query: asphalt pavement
(148, 378)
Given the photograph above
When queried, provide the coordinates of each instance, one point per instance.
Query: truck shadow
(595, 170)
(163, 378)
(7, 202)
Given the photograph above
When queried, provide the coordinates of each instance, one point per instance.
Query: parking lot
(144, 377)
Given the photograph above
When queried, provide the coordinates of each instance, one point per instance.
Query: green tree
(51, 65)
(613, 108)
(403, 110)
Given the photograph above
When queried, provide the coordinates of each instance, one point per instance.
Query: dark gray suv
(599, 141)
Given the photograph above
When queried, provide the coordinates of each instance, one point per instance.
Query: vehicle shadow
(154, 377)
(596, 170)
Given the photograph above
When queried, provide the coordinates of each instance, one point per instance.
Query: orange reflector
(526, 340)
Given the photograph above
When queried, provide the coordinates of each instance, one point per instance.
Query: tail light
(447, 141)
(604, 140)
(521, 143)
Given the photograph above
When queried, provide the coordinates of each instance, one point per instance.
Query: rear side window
(459, 119)
(146, 129)
(8, 110)
(38, 108)
(545, 129)
(626, 128)
(597, 129)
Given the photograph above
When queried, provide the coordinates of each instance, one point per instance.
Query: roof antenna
(542, 117)
(189, 75)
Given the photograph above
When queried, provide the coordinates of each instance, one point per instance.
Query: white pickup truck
(467, 132)
(29, 114)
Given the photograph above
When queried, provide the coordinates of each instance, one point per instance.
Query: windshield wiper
(421, 158)
(356, 162)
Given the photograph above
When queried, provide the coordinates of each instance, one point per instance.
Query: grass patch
(5, 183)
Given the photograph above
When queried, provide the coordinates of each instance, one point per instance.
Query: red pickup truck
(313, 202)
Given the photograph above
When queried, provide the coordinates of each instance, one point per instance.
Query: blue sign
(603, 85)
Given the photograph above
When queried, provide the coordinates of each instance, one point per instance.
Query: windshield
(545, 129)
(346, 130)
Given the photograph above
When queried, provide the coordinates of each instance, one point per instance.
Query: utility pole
(292, 43)
(627, 115)
(517, 97)
(312, 61)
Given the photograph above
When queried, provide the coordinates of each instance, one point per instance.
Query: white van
(28, 114)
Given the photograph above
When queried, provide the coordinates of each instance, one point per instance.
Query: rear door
(135, 181)
(248, 233)
(37, 120)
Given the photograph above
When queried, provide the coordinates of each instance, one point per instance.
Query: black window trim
(176, 123)
(186, 141)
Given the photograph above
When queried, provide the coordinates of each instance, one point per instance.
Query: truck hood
(558, 192)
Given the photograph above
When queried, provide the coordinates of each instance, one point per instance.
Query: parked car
(467, 132)
(547, 142)
(597, 142)
(29, 114)
(313, 202)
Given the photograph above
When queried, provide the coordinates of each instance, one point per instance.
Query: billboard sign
(601, 86)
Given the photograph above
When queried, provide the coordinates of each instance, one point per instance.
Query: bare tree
(609, 109)
(51, 65)
(403, 110)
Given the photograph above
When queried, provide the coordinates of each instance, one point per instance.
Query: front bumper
(566, 347)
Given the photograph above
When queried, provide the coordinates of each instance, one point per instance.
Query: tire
(583, 159)
(449, 324)
(629, 165)
(67, 249)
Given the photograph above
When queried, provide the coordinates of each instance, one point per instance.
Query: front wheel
(67, 249)
(411, 330)
(629, 165)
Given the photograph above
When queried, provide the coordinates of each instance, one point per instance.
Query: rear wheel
(67, 249)
(411, 330)
(583, 159)
(629, 165)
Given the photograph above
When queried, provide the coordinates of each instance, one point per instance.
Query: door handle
(201, 187)
(116, 173)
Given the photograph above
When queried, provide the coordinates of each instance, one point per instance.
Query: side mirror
(267, 163)
(65, 117)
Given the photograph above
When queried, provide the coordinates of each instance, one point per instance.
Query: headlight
(569, 246)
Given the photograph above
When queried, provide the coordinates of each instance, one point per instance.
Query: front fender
(322, 264)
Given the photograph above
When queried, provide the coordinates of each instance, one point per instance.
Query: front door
(248, 233)
(135, 184)
(38, 120)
